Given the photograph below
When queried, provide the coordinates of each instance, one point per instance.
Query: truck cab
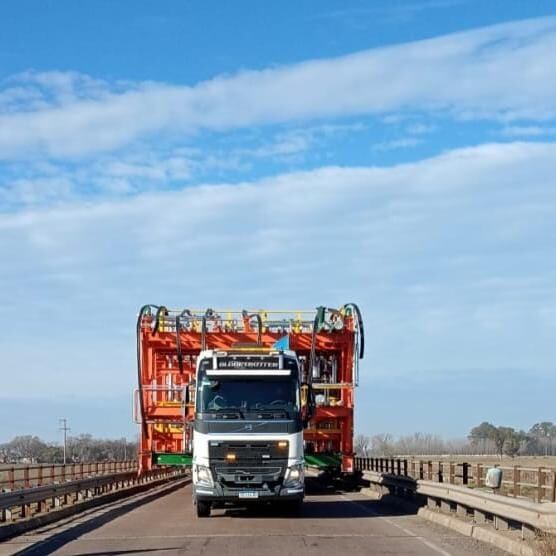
(248, 429)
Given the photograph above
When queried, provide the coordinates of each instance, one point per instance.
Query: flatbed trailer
(328, 343)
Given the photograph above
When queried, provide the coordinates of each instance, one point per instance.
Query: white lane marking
(426, 542)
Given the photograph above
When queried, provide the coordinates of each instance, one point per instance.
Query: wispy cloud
(401, 143)
(390, 12)
(528, 131)
(299, 140)
(420, 128)
(501, 72)
(425, 247)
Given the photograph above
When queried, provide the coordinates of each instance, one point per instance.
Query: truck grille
(240, 476)
(247, 452)
(256, 463)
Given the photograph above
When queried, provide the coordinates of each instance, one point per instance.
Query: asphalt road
(164, 524)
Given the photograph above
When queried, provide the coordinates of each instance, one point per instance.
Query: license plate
(248, 494)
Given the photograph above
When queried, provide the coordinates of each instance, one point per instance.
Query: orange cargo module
(328, 343)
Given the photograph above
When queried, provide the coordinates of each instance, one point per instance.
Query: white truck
(248, 429)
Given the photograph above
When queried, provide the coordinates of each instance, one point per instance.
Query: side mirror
(190, 393)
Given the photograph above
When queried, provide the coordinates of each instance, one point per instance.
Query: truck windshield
(247, 394)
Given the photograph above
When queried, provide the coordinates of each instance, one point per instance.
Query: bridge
(353, 505)
(394, 507)
(161, 521)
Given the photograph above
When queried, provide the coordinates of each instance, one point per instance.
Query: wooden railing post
(465, 473)
(540, 484)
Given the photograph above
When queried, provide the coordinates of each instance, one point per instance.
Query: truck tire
(203, 508)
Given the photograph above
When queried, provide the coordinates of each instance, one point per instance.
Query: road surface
(164, 524)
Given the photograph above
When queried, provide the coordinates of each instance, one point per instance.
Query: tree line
(79, 449)
(484, 439)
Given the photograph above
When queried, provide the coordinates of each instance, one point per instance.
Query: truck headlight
(204, 476)
(295, 475)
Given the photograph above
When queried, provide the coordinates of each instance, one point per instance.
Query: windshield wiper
(272, 410)
(235, 411)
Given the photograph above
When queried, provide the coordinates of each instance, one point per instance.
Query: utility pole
(64, 427)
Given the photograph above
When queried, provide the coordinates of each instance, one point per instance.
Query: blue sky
(397, 154)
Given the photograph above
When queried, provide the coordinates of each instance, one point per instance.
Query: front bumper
(220, 493)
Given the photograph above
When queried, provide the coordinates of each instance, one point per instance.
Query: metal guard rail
(483, 507)
(538, 484)
(14, 476)
(36, 500)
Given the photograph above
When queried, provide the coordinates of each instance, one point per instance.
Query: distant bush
(484, 439)
(83, 448)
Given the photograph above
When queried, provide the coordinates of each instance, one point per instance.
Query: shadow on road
(59, 540)
(323, 507)
(120, 552)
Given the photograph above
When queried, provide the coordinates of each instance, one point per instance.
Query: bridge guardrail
(26, 502)
(537, 484)
(14, 476)
(478, 505)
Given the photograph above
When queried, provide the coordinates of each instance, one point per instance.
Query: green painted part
(323, 461)
(172, 459)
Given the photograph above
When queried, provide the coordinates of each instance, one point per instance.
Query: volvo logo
(248, 428)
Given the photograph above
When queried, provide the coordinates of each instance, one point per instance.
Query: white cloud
(528, 131)
(420, 128)
(438, 252)
(401, 143)
(297, 141)
(38, 192)
(389, 12)
(504, 71)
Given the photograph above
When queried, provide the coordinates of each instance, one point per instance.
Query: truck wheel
(203, 508)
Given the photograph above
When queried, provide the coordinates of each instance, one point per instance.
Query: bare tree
(381, 444)
(362, 445)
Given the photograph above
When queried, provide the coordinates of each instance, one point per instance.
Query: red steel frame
(165, 370)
